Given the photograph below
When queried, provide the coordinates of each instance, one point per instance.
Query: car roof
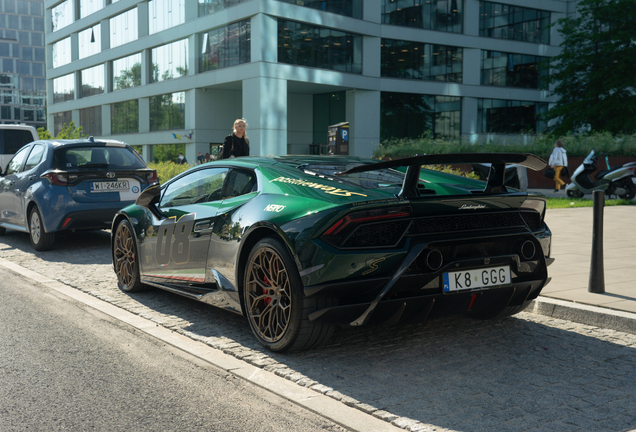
(57, 143)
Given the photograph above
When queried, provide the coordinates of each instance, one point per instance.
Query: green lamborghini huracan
(303, 244)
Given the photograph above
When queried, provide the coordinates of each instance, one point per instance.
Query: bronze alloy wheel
(125, 258)
(268, 294)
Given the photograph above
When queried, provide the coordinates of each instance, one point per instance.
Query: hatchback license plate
(114, 186)
(476, 279)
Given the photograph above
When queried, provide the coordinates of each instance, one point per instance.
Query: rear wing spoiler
(495, 183)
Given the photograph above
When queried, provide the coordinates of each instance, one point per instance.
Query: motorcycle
(618, 180)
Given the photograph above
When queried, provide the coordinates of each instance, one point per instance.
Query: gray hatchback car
(66, 185)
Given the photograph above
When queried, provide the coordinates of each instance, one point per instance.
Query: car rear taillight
(56, 178)
(367, 216)
(151, 177)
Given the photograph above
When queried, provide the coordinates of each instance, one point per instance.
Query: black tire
(630, 187)
(125, 259)
(275, 302)
(574, 193)
(40, 239)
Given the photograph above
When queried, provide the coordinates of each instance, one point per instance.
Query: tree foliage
(595, 74)
(69, 131)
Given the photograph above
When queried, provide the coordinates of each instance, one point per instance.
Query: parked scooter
(619, 180)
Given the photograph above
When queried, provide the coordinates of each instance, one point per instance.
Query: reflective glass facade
(307, 45)
(444, 15)
(62, 15)
(124, 117)
(124, 28)
(90, 41)
(62, 52)
(22, 62)
(225, 46)
(513, 70)
(506, 116)
(416, 60)
(350, 8)
(207, 7)
(88, 7)
(405, 115)
(170, 61)
(64, 88)
(163, 14)
(92, 81)
(514, 22)
(60, 119)
(127, 72)
(167, 111)
(91, 121)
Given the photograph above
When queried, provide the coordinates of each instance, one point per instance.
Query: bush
(167, 170)
(576, 145)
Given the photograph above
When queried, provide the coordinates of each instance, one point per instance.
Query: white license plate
(114, 186)
(476, 279)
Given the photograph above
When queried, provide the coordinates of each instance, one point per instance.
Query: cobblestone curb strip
(309, 397)
(584, 314)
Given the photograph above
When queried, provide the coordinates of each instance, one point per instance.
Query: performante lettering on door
(173, 240)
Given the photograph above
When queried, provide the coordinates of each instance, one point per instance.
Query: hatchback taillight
(152, 176)
(56, 178)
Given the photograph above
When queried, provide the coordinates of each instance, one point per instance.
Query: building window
(169, 61)
(91, 121)
(64, 88)
(328, 109)
(306, 45)
(514, 22)
(207, 7)
(124, 117)
(350, 8)
(92, 81)
(90, 41)
(416, 60)
(62, 15)
(127, 72)
(60, 120)
(88, 7)
(513, 70)
(164, 14)
(123, 28)
(404, 115)
(62, 52)
(444, 15)
(167, 111)
(504, 116)
(225, 46)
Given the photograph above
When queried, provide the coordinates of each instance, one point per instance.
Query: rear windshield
(385, 179)
(96, 157)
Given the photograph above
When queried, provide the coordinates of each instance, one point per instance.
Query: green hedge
(579, 145)
(167, 170)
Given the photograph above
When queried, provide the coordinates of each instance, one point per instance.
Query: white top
(559, 157)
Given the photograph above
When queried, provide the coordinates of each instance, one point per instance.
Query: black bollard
(597, 277)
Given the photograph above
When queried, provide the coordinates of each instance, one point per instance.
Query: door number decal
(173, 240)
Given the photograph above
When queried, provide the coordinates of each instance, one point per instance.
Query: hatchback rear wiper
(94, 165)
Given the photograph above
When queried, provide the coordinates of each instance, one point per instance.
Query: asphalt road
(67, 367)
(524, 373)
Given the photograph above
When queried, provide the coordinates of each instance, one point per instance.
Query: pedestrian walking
(559, 162)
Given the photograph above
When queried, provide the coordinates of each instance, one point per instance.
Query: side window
(17, 161)
(239, 182)
(35, 157)
(197, 187)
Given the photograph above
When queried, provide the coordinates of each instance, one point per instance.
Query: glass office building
(22, 59)
(153, 72)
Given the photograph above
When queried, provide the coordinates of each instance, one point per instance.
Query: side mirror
(150, 196)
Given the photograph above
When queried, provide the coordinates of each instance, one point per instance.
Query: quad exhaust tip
(528, 250)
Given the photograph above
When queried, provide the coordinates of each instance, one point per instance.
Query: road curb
(584, 314)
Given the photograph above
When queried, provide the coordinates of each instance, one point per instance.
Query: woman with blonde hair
(236, 144)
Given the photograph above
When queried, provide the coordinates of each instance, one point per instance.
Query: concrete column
(471, 17)
(143, 27)
(147, 153)
(267, 120)
(191, 11)
(106, 120)
(146, 66)
(264, 41)
(471, 66)
(372, 10)
(105, 34)
(75, 116)
(363, 115)
(74, 47)
(144, 115)
(371, 53)
(469, 125)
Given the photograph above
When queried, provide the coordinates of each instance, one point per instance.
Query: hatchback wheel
(40, 239)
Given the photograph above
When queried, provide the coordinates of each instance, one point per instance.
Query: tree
(69, 131)
(595, 74)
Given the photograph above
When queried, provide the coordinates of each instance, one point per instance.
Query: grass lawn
(555, 203)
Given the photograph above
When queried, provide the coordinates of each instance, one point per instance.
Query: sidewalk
(567, 295)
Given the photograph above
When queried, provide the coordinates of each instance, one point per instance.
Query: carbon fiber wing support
(495, 183)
